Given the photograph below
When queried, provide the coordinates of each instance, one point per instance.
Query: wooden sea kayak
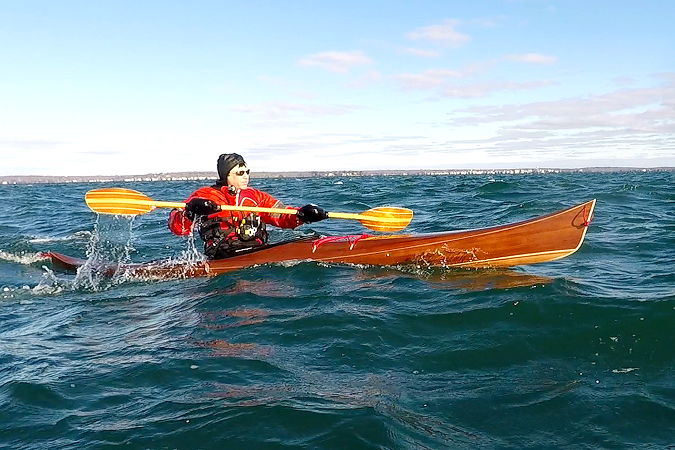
(540, 239)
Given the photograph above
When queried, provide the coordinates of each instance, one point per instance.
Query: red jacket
(181, 225)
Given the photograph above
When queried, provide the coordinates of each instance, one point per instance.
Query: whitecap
(77, 236)
(626, 370)
(22, 257)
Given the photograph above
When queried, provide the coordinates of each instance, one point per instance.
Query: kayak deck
(540, 239)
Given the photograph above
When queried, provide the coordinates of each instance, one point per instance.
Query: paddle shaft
(332, 215)
(121, 201)
(160, 204)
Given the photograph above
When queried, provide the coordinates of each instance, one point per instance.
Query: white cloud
(29, 144)
(477, 90)
(443, 34)
(444, 82)
(630, 124)
(367, 79)
(429, 79)
(532, 58)
(334, 61)
(281, 111)
(424, 53)
(642, 108)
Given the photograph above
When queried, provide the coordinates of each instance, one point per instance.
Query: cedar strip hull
(541, 239)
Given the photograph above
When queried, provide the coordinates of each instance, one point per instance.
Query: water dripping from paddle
(109, 248)
(192, 253)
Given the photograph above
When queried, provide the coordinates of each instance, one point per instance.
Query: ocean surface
(576, 353)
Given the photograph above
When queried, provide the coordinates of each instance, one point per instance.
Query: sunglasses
(242, 172)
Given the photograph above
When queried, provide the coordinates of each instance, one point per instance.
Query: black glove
(200, 207)
(311, 213)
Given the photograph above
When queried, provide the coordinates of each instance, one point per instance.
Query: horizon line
(201, 175)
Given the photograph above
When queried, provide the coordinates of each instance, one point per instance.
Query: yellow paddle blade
(386, 218)
(383, 218)
(120, 201)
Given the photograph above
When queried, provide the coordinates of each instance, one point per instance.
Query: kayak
(540, 239)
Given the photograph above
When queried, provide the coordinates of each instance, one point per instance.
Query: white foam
(23, 257)
(78, 236)
(625, 370)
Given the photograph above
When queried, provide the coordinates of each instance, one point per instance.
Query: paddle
(120, 201)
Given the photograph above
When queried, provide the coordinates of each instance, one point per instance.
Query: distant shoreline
(206, 176)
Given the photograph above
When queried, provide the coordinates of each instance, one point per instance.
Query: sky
(134, 87)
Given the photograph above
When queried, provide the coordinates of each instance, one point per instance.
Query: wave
(338, 355)
(77, 236)
(497, 186)
(23, 257)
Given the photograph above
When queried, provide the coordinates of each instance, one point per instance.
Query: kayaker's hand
(311, 213)
(200, 207)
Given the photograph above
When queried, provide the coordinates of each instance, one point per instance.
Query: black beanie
(226, 162)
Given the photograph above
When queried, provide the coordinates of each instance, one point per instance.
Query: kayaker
(227, 233)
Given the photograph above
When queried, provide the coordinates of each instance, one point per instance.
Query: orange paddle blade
(383, 218)
(120, 201)
(396, 218)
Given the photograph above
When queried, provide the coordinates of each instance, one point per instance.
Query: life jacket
(228, 236)
(228, 233)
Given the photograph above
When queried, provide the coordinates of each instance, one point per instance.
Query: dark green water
(577, 353)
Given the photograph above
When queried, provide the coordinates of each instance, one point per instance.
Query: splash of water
(191, 254)
(108, 250)
(49, 284)
(108, 262)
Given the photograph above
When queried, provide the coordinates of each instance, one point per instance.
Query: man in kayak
(227, 233)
